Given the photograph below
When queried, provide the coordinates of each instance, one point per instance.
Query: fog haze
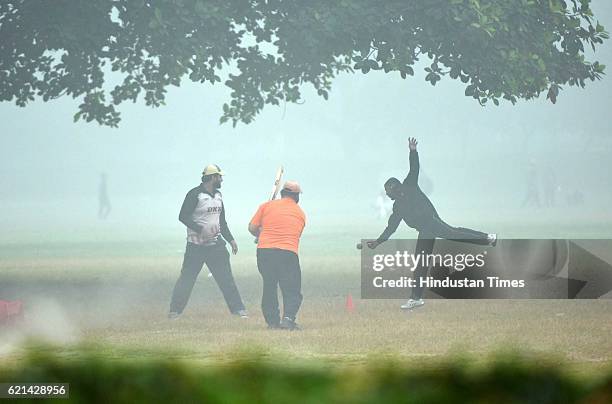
(476, 160)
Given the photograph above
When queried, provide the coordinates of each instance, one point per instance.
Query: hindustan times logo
(515, 268)
(404, 259)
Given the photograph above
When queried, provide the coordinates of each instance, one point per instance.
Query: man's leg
(290, 281)
(268, 269)
(443, 230)
(218, 262)
(108, 209)
(192, 265)
(424, 246)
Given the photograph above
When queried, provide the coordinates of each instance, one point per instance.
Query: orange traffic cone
(350, 306)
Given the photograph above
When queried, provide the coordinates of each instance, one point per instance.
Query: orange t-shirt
(281, 222)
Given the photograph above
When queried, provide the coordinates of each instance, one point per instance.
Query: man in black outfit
(416, 210)
(203, 214)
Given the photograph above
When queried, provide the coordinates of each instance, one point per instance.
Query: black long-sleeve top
(201, 207)
(412, 205)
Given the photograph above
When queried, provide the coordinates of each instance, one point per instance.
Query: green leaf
(200, 8)
(524, 47)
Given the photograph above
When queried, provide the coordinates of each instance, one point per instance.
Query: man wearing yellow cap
(203, 214)
(279, 224)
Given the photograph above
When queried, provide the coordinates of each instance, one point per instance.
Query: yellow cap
(212, 169)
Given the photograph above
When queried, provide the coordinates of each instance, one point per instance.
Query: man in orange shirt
(279, 224)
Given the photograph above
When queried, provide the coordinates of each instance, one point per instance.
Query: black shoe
(289, 324)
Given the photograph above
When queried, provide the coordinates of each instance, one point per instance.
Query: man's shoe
(492, 238)
(273, 326)
(289, 324)
(173, 315)
(412, 304)
(241, 313)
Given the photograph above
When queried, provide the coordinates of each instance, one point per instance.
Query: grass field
(112, 298)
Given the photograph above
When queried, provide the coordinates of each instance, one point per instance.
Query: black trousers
(216, 258)
(279, 268)
(437, 228)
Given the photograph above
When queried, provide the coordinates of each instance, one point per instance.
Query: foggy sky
(341, 150)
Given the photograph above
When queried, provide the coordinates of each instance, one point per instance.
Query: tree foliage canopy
(266, 50)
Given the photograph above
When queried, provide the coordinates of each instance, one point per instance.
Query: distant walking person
(549, 187)
(104, 205)
(416, 210)
(532, 191)
(204, 215)
(279, 224)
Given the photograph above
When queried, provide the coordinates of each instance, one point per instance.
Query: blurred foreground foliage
(255, 379)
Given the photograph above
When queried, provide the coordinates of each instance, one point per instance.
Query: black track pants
(216, 258)
(279, 268)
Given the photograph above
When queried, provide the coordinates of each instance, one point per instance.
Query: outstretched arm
(413, 175)
(394, 220)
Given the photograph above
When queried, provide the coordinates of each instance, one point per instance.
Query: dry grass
(118, 305)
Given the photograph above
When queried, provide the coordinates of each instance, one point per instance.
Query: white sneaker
(173, 315)
(243, 314)
(492, 238)
(412, 304)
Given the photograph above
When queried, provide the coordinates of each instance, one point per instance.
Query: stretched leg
(192, 265)
(442, 230)
(424, 246)
(269, 301)
(218, 262)
(290, 281)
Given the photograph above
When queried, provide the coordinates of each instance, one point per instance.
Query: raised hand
(412, 143)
